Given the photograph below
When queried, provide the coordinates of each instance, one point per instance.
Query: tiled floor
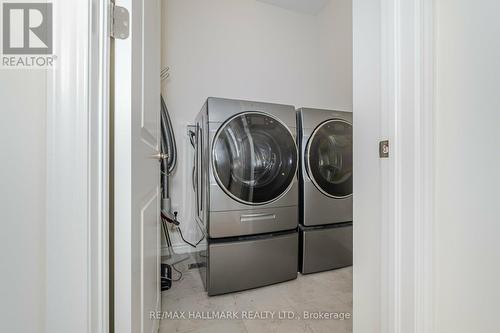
(329, 292)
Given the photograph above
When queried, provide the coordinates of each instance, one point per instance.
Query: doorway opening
(296, 55)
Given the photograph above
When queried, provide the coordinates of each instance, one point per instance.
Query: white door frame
(78, 164)
(77, 235)
(393, 87)
(100, 163)
(407, 178)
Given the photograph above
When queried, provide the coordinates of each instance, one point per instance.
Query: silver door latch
(383, 149)
(119, 22)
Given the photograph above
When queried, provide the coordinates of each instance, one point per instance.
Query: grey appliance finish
(220, 214)
(325, 189)
(318, 207)
(246, 185)
(251, 262)
(325, 248)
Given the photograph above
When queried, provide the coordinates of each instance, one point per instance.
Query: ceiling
(304, 6)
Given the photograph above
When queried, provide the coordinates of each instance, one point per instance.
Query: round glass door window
(254, 158)
(329, 158)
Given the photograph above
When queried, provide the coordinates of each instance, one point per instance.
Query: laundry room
(256, 180)
(250, 166)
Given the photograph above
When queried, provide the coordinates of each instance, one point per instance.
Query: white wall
(468, 166)
(22, 200)
(250, 50)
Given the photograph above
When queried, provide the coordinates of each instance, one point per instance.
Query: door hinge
(383, 149)
(119, 22)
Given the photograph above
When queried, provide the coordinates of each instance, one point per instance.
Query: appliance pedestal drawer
(250, 262)
(325, 248)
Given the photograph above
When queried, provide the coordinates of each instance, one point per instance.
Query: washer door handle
(257, 217)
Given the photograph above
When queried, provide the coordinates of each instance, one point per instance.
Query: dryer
(247, 193)
(326, 176)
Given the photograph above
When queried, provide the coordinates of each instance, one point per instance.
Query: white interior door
(137, 188)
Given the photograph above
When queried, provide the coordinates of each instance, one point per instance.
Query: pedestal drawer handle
(257, 217)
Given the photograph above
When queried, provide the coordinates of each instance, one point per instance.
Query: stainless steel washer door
(254, 158)
(329, 158)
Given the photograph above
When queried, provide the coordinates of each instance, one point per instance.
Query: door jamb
(100, 163)
(408, 178)
(77, 219)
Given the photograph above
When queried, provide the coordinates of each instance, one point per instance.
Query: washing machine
(325, 189)
(246, 193)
